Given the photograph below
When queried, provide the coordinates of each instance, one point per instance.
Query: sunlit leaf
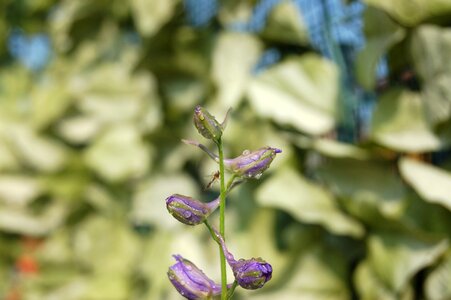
(319, 276)
(99, 251)
(300, 92)
(333, 148)
(16, 220)
(437, 284)
(18, 190)
(119, 154)
(234, 56)
(431, 183)
(399, 123)
(40, 152)
(307, 202)
(381, 33)
(285, 24)
(431, 48)
(50, 100)
(151, 15)
(412, 12)
(149, 205)
(396, 258)
(370, 287)
(371, 187)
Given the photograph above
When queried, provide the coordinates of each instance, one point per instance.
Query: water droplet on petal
(187, 214)
(246, 152)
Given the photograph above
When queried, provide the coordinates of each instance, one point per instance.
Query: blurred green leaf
(333, 148)
(149, 206)
(396, 258)
(285, 24)
(372, 187)
(370, 287)
(431, 48)
(381, 33)
(98, 251)
(422, 216)
(307, 202)
(300, 92)
(50, 101)
(234, 56)
(431, 183)
(18, 190)
(319, 275)
(399, 123)
(437, 284)
(151, 15)
(22, 221)
(119, 154)
(111, 286)
(412, 12)
(36, 150)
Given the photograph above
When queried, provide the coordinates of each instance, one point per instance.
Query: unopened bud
(206, 124)
(188, 210)
(251, 273)
(252, 164)
(190, 281)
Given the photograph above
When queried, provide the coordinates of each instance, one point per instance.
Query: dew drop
(246, 152)
(187, 214)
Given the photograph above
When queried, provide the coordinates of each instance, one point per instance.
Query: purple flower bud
(206, 124)
(188, 210)
(251, 273)
(190, 281)
(252, 164)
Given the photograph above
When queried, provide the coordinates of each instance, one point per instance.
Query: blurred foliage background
(96, 95)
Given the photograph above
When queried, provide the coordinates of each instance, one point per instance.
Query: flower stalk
(222, 197)
(252, 273)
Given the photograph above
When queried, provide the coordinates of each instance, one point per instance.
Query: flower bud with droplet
(251, 273)
(252, 164)
(206, 124)
(190, 281)
(189, 210)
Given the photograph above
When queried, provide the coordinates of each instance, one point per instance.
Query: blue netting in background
(332, 27)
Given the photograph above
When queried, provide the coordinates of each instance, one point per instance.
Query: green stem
(222, 197)
(232, 290)
(212, 232)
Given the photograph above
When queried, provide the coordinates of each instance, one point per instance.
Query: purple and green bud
(248, 164)
(190, 281)
(188, 210)
(252, 164)
(206, 124)
(251, 273)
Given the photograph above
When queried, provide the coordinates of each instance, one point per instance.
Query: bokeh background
(96, 95)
